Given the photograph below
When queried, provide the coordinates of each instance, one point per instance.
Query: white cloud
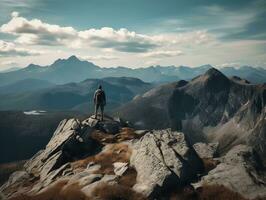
(100, 57)
(152, 62)
(36, 32)
(9, 63)
(9, 49)
(162, 54)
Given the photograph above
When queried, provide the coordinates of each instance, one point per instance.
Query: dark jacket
(99, 97)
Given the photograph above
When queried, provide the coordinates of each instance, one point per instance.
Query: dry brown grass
(116, 192)
(185, 193)
(129, 178)
(56, 192)
(218, 192)
(207, 192)
(125, 134)
(115, 153)
(209, 164)
(102, 137)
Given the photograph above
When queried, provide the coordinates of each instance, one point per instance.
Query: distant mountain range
(210, 107)
(74, 70)
(25, 85)
(10, 69)
(32, 94)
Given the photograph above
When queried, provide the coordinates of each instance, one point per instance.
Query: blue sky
(135, 33)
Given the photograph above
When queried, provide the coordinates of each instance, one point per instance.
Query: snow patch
(34, 112)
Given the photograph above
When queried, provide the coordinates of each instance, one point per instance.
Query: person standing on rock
(99, 101)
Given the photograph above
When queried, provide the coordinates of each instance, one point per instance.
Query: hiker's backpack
(99, 96)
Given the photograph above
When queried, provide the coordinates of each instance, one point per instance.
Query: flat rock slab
(163, 158)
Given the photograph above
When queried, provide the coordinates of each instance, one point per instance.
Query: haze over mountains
(74, 70)
(43, 95)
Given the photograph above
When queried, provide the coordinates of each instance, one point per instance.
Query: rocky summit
(209, 108)
(108, 159)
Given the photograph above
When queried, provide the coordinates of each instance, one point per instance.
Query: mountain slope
(209, 107)
(25, 86)
(61, 71)
(254, 75)
(75, 96)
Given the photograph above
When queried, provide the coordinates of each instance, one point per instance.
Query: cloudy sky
(135, 33)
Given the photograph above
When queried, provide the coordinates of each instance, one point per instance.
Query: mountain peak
(213, 72)
(73, 58)
(32, 66)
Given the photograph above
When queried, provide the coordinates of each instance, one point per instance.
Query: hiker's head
(100, 87)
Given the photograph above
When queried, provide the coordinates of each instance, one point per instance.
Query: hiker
(99, 101)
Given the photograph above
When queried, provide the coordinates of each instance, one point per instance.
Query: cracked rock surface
(240, 170)
(163, 159)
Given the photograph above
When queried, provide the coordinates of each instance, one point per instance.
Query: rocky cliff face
(210, 107)
(108, 160)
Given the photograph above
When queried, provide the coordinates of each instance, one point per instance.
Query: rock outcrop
(71, 141)
(209, 108)
(240, 170)
(206, 151)
(87, 159)
(163, 159)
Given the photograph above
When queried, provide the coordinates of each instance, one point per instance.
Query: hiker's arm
(104, 98)
(94, 97)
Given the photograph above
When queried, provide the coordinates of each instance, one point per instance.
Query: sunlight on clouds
(162, 54)
(98, 57)
(36, 32)
(9, 49)
(108, 46)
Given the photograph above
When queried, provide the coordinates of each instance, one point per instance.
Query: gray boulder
(206, 150)
(163, 159)
(52, 163)
(241, 171)
(91, 121)
(48, 158)
(18, 176)
(108, 125)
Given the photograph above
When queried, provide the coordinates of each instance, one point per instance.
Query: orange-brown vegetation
(207, 192)
(116, 192)
(218, 192)
(185, 193)
(59, 191)
(113, 153)
(125, 134)
(209, 164)
(129, 178)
